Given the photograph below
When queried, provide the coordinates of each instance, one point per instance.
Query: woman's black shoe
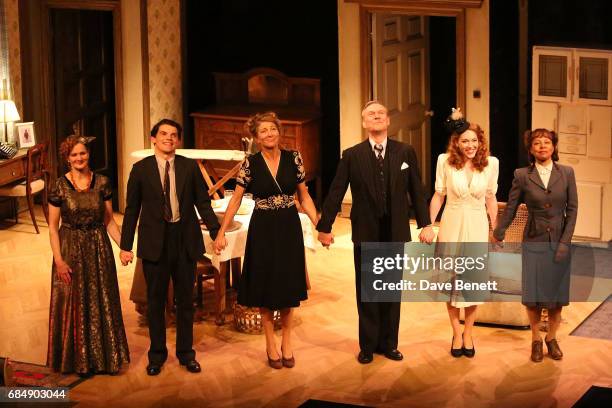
(456, 352)
(469, 352)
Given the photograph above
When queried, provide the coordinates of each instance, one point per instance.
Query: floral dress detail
(86, 332)
(274, 270)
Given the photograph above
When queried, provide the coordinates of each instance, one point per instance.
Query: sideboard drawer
(12, 171)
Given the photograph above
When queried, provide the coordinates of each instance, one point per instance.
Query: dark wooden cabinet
(295, 101)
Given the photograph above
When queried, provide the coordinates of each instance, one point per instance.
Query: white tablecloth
(236, 240)
(198, 154)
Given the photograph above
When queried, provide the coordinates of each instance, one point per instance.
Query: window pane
(553, 76)
(593, 78)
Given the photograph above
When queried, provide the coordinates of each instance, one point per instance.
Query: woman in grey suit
(549, 191)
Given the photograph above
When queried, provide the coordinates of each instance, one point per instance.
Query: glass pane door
(552, 76)
(593, 78)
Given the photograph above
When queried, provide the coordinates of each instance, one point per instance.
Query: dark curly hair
(252, 124)
(530, 135)
(68, 144)
(456, 157)
(169, 122)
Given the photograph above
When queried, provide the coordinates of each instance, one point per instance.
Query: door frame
(439, 8)
(40, 72)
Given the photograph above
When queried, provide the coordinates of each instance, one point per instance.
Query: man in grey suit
(385, 183)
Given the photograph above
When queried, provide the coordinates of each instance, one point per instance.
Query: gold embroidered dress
(274, 274)
(86, 333)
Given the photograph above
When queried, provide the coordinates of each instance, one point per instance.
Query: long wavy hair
(456, 157)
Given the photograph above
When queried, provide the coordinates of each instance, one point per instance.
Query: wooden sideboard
(222, 127)
(296, 101)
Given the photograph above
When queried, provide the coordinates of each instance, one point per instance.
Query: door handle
(429, 113)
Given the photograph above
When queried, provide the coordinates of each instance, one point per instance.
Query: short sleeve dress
(274, 274)
(86, 332)
(465, 216)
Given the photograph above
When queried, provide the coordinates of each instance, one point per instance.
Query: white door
(400, 68)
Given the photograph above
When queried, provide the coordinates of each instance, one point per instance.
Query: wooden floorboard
(235, 372)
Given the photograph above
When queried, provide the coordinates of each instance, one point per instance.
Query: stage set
(88, 88)
(234, 368)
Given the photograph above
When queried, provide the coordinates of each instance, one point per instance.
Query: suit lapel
(555, 175)
(394, 162)
(534, 176)
(155, 179)
(368, 172)
(180, 172)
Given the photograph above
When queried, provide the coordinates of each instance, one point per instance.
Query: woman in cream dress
(467, 176)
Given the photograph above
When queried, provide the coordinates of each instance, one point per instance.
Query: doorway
(413, 72)
(74, 76)
(83, 80)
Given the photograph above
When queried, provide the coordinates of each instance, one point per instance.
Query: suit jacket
(552, 210)
(145, 199)
(356, 168)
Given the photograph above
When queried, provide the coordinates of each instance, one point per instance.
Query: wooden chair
(504, 313)
(205, 271)
(37, 179)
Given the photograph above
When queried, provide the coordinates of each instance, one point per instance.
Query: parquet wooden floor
(235, 372)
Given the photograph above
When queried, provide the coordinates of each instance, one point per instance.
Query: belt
(82, 227)
(274, 202)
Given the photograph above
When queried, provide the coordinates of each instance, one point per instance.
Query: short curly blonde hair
(252, 124)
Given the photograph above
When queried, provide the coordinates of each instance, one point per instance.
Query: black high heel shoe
(456, 352)
(469, 353)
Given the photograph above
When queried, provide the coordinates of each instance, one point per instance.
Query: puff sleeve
(441, 174)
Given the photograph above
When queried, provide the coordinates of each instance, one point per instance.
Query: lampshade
(8, 111)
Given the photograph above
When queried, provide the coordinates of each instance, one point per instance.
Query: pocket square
(404, 166)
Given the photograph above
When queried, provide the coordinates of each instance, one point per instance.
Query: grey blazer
(552, 210)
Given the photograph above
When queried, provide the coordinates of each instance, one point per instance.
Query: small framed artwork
(25, 134)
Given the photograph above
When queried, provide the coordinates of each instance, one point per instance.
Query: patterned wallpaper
(164, 42)
(12, 22)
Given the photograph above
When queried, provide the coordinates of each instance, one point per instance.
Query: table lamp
(8, 114)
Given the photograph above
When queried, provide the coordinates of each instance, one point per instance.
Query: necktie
(381, 174)
(379, 155)
(167, 206)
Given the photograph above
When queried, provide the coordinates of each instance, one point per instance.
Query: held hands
(220, 244)
(126, 257)
(326, 238)
(496, 242)
(562, 252)
(427, 235)
(64, 272)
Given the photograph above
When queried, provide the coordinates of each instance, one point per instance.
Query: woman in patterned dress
(86, 333)
(467, 176)
(273, 276)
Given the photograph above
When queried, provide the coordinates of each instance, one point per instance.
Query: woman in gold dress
(86, 333)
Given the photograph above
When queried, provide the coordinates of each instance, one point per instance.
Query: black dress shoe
(395, 355)
(364, 357)
(456, 352)
(469, 352)
(192, 366)
(154, 368)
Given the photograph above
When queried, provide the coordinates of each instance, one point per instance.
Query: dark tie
(167, 206)
(381, 173)
(379, 155)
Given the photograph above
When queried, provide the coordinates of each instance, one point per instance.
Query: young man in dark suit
(384, 179)
(162, 192)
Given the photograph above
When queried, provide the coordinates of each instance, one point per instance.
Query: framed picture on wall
(25, 134)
